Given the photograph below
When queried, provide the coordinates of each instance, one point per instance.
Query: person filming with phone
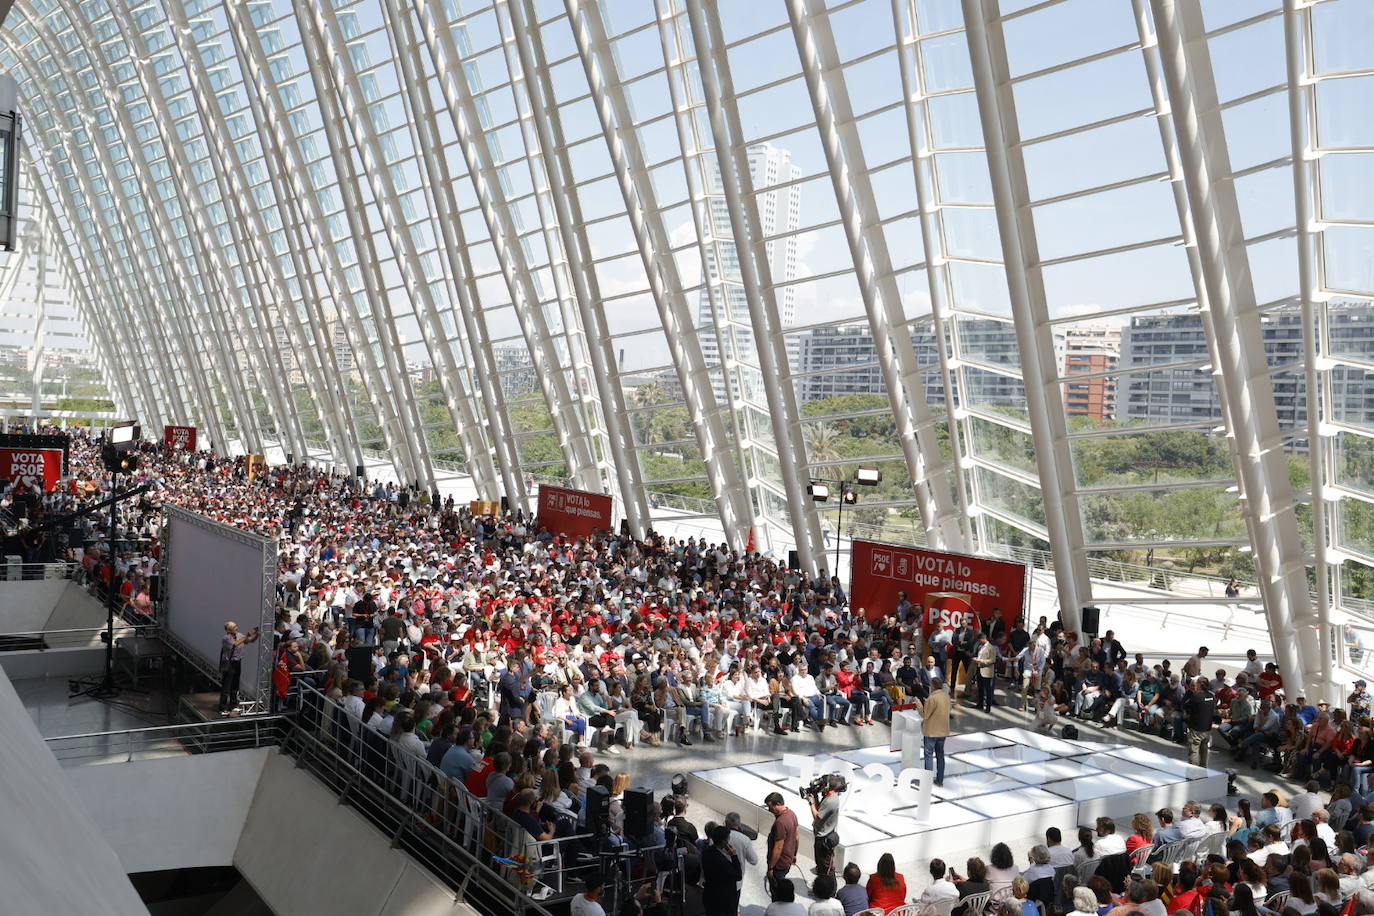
(231, 666)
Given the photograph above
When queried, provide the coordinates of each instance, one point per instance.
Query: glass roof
(1054, 267)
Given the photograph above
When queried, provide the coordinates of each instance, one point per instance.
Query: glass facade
(1089, 280)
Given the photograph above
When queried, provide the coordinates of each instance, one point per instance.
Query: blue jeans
(816, 706)
(838, 707)
(935, 747)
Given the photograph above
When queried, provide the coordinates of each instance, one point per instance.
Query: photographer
(231, 666)
(823, 796)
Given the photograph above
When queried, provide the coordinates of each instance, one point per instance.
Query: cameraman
(825, 820)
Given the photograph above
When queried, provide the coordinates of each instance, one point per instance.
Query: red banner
(31, 468)
(573, 512)
(949, 587)
(179, 438)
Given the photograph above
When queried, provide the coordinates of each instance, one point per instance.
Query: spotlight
(868, 477)
(819, 492)
(849, 497)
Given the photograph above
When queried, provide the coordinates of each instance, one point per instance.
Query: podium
(908, 737)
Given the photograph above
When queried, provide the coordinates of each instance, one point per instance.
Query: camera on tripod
(822, 784)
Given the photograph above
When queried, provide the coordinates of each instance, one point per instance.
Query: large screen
(215, 574)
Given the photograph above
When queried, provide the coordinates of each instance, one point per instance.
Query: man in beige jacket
(935, 729)
(985, 659)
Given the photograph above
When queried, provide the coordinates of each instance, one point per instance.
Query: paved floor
(57, 715)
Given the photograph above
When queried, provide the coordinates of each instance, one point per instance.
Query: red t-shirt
(883, 897)
(477, 777)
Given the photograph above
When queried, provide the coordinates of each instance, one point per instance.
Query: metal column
(1025, 282)
(1279, 556)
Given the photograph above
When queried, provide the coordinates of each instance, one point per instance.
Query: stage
(1005, 785)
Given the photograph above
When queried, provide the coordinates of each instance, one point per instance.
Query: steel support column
(439, 187)
(569, 423)
(733, 504)
(756, 277)
(1297, 31)
(1030, 314)
(1279, 557)
(457, 395)
(929, 472)
(577, 250)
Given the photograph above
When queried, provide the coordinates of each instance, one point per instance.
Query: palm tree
(822, 446)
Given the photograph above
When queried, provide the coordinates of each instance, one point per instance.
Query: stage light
(849, 497)
(125, 433)
(819, 492)
(868, 477)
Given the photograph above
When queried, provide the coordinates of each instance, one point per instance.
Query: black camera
(821, 784)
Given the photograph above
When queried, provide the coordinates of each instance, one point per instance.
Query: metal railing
(521, 870)
(169, 740)
(76, 638)
(417, 817)
(16, 570)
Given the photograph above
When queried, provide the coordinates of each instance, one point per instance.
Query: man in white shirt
(941, 888)
(1303, 804)
(1322, 819)
(353, 703)
(1059, 853)
(1108, 843)
(804, 686)
(1191, 825)
(588, 903)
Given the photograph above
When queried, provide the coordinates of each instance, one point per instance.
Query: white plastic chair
(975, 904)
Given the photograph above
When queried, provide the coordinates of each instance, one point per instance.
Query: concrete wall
(53, 859)
(172, 812)
(26, 605)
(300, 850)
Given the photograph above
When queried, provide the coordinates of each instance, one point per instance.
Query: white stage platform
(1005, 785)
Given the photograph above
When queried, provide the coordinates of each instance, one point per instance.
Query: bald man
(231, 666)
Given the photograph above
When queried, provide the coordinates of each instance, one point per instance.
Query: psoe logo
(882, 563)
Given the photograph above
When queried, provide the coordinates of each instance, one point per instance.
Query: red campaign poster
(950, 587)
(573, 512)
(179, 438)
(32, 468)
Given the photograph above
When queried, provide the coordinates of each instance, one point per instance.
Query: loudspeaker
(156, 587)
(793, 560)
(598, 802)
(358, 472)
(637, 803)
(360, 663)
(290, 458)
(624, 527)
(1089, 620)
(505, 505)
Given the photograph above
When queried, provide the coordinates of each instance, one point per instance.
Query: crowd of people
(512, 658)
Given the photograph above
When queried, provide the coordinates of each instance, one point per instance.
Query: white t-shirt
(831, 907)
(1108, 845)
(791, 908)
(581, 906)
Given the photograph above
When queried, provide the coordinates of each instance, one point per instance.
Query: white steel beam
(458, 395)
(284, 152)
(1225, 265)
(756, 277)
(569, 423)
(557, 167)
(1030, 313)
(1297, 31)
(930, 474)
(472, 327)
(721, 455)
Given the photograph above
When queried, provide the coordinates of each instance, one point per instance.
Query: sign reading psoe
(32, 468)
(951, 588)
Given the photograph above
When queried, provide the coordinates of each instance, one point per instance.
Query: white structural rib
(570, 425)
(721, 456)
(281, 144)
(548, 124)
(1297, 30)
(755, 276)
(931, 479)
(1026, 285)
(457, 394)
(439, 185)
(1243, 366)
